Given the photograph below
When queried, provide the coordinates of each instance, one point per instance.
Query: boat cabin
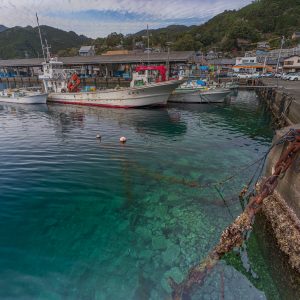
(55, 77)
(145, 75)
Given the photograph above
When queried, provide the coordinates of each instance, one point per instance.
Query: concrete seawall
(283, 102)
(282, 209)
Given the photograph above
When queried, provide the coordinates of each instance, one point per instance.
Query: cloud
(100, 17)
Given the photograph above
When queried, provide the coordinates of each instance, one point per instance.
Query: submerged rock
(171, 255)
(159, 243)
(176, 274)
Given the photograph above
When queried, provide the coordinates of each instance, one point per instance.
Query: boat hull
(144, 96)
(33, 99)
(201, 97)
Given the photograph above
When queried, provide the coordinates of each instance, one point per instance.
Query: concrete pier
(283, 101)
(282, 209)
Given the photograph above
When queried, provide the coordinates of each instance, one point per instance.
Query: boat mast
(148, 43)
(47, 48)
(37, 19)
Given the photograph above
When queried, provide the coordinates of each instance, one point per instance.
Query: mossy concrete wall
(289, 185)
(282, 209)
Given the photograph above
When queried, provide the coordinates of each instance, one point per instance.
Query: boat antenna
(148, 44)
(47, 48)
(37, 19)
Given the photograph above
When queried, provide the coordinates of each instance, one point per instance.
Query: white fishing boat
(209, 95)
(22, 96)
(148, 87)
(190, 86)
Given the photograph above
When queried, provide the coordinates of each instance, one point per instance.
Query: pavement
(290, 87)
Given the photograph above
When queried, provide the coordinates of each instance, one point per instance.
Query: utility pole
(279, 54)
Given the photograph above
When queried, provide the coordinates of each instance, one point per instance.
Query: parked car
(243, 76)
(294, 77)
(255, 75)
(268, 75)
(286, 76)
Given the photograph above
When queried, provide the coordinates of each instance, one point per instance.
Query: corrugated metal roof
(86, 48)
(176, 56)
(222, 61)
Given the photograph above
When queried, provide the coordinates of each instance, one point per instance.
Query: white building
(246, 60)
(87, 51)
(247, 65)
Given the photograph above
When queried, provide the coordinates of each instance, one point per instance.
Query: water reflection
(156, 121)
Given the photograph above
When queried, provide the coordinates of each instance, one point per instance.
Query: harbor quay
(282, 209)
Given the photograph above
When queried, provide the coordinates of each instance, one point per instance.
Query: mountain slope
(263, 19)
(21, 42)
(2, 28)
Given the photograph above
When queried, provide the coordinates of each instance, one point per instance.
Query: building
(248, 65)
(246, 60)
(87, 51)
(103, 65)
(287, 52)
(292, 64)
(271, 65)
(296, 35)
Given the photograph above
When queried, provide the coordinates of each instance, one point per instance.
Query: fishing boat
(190, 86)
(149, 87)
(23, 96)
(208, 95)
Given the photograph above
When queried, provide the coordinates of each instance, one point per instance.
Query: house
(292, 64)
(296, 35)
(87, 51)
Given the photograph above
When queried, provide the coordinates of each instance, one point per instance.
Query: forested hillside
(21, 42)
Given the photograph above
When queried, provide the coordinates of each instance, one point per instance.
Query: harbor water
(88, 218)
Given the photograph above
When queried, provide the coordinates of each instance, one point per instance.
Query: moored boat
(148, 87)
(190, 86)
(216, 95)
(22, 96)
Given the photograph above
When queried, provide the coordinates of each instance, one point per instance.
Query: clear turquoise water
(82, 218)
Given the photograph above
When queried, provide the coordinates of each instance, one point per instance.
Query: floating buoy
(98, 136)
(123, 139)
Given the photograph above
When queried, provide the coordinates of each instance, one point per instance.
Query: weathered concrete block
(289, 186)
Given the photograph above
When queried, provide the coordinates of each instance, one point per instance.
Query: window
(289, 63)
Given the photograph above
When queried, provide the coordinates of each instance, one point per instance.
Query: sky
(98, 18)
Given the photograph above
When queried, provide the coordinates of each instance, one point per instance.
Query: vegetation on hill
(262, 20)
(21, 42)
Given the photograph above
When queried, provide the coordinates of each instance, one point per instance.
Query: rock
(171, 255)
(159, 243)
(143, 233)
(176, 274)
(146, 254)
